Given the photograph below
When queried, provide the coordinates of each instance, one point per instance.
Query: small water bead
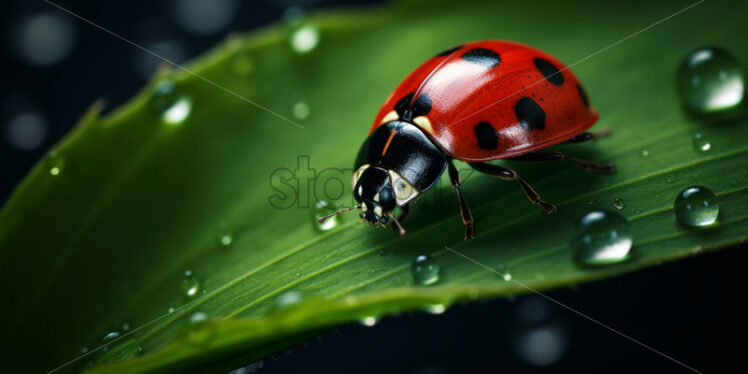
(110, 336)
(304, 38)
(369, 321)
(425, 270)
(507, 276)
(710, 80)
(645, 153)
(125, 326)
(321, 209)
(84, 350)
(696, 206)
(701, 143)
(288, 299)
(618, 203)
(225, 236)
(173, 106)
(190, 284)
(55, 163)
(301, 110)
(602, 237)
(436, 309)
(199, 329)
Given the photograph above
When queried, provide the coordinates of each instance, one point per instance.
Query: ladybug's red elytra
(476, 102)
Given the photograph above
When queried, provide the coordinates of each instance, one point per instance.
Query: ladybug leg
(558, 156)
(590, 135)
(467, 217)
(508, 175)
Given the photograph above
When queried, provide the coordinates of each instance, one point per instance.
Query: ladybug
(476, 102)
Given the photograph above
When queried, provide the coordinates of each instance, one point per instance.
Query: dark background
(55, 66)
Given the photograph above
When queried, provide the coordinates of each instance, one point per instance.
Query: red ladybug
(476, 102)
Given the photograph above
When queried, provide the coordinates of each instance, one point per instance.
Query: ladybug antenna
(322, 219)
(399, 226)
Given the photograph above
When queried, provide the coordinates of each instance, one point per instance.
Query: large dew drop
(321, 209)
(696, 206)
(710, 80)
(55, 163)
(602, 237)
(425, 270)
(173, 106)
(190, 284)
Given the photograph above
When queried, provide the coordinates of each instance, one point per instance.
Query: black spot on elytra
(550, 72)
(421, 107)
(530, 115)
(583, 95)
(483, 57)
(448, 51)
(487, 137)
(402, 105)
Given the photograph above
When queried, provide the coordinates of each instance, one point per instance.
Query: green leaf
(136, 201)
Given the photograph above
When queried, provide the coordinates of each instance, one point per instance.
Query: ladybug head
(374, 191)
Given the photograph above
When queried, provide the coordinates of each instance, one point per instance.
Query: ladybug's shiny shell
(491, 99)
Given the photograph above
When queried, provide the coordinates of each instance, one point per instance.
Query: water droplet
(425, 270)
(645, 153)
(84, 350)
(602, 237)
(709, 80)
(618, 203)
(200, 329)
(701, 143)
(225, 236)
(55, 163)
(369, 321)
(696, 206)
(435, 309)
(321, 209)
(288, 299)
(304, 38)
(110, 336)
(301, 110)
(190, 284)
(507, 276)
(171, 309)
(125, 326)
(173, 106)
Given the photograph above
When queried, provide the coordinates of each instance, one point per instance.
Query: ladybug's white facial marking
(376, 198)
(378, 210)
(391, 116)
(357, 175)
(364, 207)
(424, 123)
(404, 190)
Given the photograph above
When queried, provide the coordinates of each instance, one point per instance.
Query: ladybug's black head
(374, 191)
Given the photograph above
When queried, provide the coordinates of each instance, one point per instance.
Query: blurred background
(55, 66)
